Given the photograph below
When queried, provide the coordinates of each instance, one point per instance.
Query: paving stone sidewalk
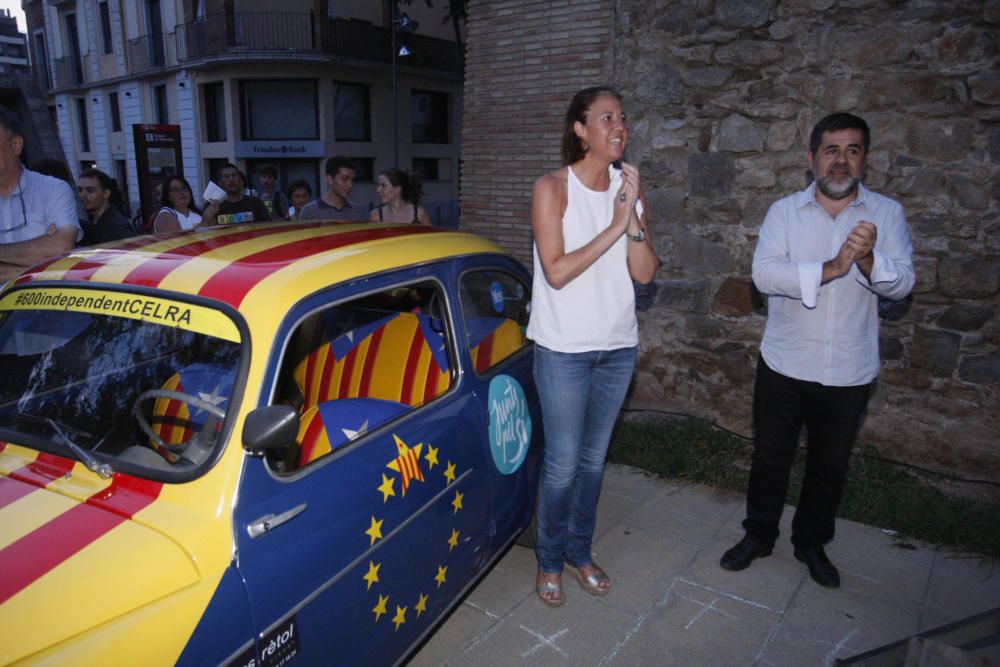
(671, 603)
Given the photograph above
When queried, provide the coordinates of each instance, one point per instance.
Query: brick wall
(525, 59)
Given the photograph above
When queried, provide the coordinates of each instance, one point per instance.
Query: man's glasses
(24, 213)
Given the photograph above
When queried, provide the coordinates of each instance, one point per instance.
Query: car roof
(259, 265)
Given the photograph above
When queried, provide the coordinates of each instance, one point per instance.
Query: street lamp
(401, 25)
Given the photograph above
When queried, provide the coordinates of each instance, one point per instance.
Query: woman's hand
(625, 199)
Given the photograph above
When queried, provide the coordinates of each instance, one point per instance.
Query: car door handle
(269, 522)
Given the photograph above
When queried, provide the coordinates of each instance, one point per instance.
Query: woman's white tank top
(595, 310)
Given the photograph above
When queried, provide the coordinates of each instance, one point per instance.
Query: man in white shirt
(824, 257)
(37, 212)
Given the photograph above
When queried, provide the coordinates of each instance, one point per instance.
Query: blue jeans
(580, 394)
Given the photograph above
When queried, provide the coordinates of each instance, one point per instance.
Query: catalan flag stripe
(232, 283)
(40, 551)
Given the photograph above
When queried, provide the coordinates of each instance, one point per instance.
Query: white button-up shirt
(828, 333)
(37, 202)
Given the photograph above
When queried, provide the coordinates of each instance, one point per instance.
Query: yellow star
(386, 487)
(453, 540)
(457, 502)
(432, 457)
(441, 575)
(449, 473)
(372, 576)
(421, 606)
(407, 464)
(400, 616)
(379, 609)
(375, 530)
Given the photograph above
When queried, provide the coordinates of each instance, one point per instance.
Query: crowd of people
(40, 216)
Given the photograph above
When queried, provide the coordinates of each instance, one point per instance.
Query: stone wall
(722, 95)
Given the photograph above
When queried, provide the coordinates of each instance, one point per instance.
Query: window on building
(154, 31)
(121, 175)
(364, 169)
(215, 111)
(285, 109)
(116, 112)
(429, 117)
(82, 125)
(351, 112)
(73, 47)
(41, 64)
(105, 13)
(160, 104)
(427, 168)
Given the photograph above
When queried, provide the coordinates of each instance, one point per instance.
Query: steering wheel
(196, 449)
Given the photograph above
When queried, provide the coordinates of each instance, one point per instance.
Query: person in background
(274, 199)
(177, 208)
(37, 212)
(299, 194)
(590, 244)
(824, 257)
(237, 207)
(400, 194)
(107, 223)
(334, 205)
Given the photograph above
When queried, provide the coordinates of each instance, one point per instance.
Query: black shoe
(744, 553)
(821, 569)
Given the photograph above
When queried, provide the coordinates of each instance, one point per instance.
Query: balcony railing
(296, 32)
(72, 71)
(258, 31)
(146, 52)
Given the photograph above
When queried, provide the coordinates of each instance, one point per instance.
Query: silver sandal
(591, 582)
(550, 587)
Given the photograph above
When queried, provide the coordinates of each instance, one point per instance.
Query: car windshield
(123, 382)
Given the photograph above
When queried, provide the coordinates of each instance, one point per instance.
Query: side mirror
(270, 427)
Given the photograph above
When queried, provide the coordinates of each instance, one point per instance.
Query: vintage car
(259, 444)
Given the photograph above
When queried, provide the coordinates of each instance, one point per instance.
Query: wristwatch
(639, 237)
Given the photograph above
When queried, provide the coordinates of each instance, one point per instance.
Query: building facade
(250, 85)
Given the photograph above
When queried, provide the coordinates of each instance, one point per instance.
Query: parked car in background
(259, 444)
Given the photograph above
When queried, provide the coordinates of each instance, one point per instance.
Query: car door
(495, 301)
(352, 545)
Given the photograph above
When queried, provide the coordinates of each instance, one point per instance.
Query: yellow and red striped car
(259, 444)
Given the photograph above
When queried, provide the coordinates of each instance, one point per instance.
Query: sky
(15, 9)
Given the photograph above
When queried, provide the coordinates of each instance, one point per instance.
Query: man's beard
(839, 190)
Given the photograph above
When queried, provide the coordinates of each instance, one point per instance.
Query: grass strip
(878, 493)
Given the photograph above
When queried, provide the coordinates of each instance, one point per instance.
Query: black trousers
(832, 416)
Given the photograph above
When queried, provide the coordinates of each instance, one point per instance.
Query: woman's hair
(409, 184)
(573, 149)
(297, 185)
(165, 194)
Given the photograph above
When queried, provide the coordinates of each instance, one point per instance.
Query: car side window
(362, 363)
(495, 309)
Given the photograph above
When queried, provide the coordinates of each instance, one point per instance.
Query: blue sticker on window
(510, 424)
(496, 296)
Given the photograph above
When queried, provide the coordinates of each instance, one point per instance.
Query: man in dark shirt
(237, 207)
(335, 205)
(106, 222)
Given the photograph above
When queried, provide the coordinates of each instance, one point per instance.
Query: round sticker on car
(510, 424)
